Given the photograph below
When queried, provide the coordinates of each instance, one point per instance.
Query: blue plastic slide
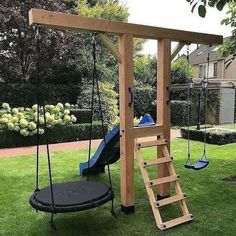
(109, 152)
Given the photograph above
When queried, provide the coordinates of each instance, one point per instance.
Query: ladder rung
(177, 221)
(164, 180)
(152, 143)
(169, 200)
(156, 162)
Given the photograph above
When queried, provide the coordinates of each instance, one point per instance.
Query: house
(222, 79)
(217, 68)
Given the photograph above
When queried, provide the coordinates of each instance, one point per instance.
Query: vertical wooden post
(126, 123)
(163, 105)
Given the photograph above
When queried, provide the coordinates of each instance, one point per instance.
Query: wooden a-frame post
(163, 105)
(126, 123)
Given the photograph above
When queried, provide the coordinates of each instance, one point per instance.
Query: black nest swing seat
(71, 197)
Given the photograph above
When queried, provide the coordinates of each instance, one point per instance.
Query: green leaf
(220, 5)
(202, 11)
(212, 3)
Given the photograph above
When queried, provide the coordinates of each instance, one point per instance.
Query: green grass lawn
(210, 200)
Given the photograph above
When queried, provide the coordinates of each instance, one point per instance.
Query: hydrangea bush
(24, 120)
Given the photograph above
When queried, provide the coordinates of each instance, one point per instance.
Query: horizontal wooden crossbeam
(154, 130)
(80, 23)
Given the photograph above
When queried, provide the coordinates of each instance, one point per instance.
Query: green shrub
(211, 137)
(109, 103)
(144, 100)
(82, 115)
(213, 102)
(181, 71)
(57, 134)
(24, 94)
(179, 113)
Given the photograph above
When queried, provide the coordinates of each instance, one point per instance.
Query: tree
(229, 48)
(181, 72)
(110, 10)
(17, 44)
(145, 69)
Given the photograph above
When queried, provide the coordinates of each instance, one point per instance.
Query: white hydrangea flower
(67, 105)
(41, 131)
(67, 112)
(67, 118)
(73, 118)
(15, 119)
(3, 120)
(17, 128)
(10, 126)
(60, 105)
(15, 110)
(35, 107)
(32, 125)
(23, 123)
(6, 106)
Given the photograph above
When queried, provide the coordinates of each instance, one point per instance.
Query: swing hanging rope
(188, 161)
(96, 80)
(68, 196)
(203, 162)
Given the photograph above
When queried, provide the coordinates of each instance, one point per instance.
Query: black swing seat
(201, 164)
(71, 197)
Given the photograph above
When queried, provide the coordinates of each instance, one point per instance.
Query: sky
(175, 14)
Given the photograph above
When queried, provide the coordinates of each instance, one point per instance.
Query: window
(215, 70)
(202, 71)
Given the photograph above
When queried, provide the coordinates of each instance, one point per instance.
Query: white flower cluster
(24, 120)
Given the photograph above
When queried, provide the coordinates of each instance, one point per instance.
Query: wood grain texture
(126, 121)
(80, 23)
(163, 106)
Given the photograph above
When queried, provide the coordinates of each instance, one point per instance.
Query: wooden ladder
(172, 178)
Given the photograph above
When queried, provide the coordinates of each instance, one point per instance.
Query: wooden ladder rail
(155, 204)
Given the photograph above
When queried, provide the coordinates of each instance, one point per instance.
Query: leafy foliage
(212, 137)
(181, 72)
(18, 52)
(24, 93)
(179, 112)
(145, 69)
(229, 48)
(82, 115)
(202, 5)
(109, 103)
(144, 101)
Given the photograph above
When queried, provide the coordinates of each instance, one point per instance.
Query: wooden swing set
(158, 189)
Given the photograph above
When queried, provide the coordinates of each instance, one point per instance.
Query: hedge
(213, 102)
(211, 138)
(24, 94)
(57, 134)
(144, 100)
(179, 113)
(82, 115)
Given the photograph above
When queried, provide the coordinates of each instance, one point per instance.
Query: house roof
(199, 55)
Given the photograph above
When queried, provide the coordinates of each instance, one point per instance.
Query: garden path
(19, 151)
